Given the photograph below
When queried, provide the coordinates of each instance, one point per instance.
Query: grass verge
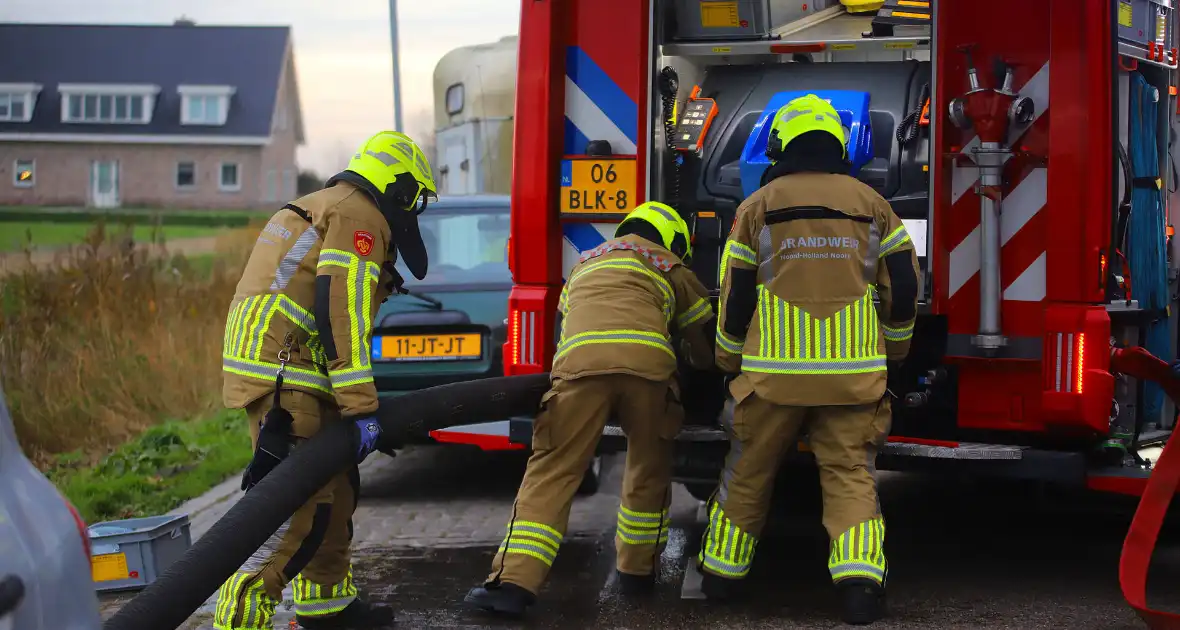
(138, 216)
(17, 235)
(157, 471)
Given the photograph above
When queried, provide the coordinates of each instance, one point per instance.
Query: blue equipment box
(853, 108)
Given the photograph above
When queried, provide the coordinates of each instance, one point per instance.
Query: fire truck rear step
(963, 450)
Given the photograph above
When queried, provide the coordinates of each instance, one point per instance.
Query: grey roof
(249, 58)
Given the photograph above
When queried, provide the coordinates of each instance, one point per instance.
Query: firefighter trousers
(845, 441)
(311, 548)
(565, 435)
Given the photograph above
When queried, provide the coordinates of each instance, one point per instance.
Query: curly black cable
(907, 129)
(672, 182)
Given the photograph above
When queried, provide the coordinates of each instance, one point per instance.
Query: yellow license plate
(598, 186)
(440, 347)
(108, 566)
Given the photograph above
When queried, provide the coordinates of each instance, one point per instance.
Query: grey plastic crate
(703, 20)
(137, 549)
(1144, 21)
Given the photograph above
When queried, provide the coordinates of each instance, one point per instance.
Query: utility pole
(397, 75)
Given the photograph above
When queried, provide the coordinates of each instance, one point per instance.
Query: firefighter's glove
(274, 444)
(369, 432)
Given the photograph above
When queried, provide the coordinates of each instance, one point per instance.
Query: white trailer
(474, 97)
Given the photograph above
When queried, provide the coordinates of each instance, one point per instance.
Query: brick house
(147, 116)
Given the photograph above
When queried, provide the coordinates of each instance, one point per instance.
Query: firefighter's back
(815, 239)
(615, 310)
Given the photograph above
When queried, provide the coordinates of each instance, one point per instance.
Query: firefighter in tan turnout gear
(622, 307)
(807, 254)
(296, 356)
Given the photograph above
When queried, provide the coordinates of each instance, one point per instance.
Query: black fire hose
(188, 582)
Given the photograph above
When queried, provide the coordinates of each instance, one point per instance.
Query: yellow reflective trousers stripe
(726, 550)
(242, 604)
(859, 552)
(529, 538)
(642, 528)
(794, 342)
(317, 600)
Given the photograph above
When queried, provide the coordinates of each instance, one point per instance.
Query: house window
(107, 104)
(455, 99)
(203, 110)
(12, 106)
(204, 104)
(229, 176)
(24, 173)
(186, 175)
(17, 101)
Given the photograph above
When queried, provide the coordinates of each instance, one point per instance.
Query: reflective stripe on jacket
(809, 256)
(315, 274)
(619, 308)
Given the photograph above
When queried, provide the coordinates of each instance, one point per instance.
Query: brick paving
(427, 498)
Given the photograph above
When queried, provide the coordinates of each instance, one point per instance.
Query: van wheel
(592, 478)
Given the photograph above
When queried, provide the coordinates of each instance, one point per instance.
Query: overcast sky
(342, 52)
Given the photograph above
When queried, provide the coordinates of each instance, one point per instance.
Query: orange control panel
(698, 115)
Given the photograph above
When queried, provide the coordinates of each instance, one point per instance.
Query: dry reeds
(112, 338)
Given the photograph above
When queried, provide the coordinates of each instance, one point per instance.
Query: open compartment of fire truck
(1028, 146)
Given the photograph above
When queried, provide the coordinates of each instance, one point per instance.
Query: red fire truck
(1027, 145)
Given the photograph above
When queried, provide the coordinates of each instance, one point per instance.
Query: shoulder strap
(297, 210)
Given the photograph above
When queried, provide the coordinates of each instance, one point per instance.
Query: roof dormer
(17, 101)
(204, 104)
(107, 103)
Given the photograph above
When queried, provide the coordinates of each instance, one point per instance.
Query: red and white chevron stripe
(1022, 227)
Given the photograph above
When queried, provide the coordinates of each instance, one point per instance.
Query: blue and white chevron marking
(596, 108)
(579, 238)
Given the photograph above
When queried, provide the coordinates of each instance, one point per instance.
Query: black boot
(717, 588)
(359, 614)
(632, 585)
(504, 598)
(862, 601)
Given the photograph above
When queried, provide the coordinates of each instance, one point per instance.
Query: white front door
(104, 184)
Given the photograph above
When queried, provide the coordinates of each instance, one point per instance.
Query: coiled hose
(188, 582)
(1145, 236)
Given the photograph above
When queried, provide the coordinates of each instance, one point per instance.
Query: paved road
(984, 555)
